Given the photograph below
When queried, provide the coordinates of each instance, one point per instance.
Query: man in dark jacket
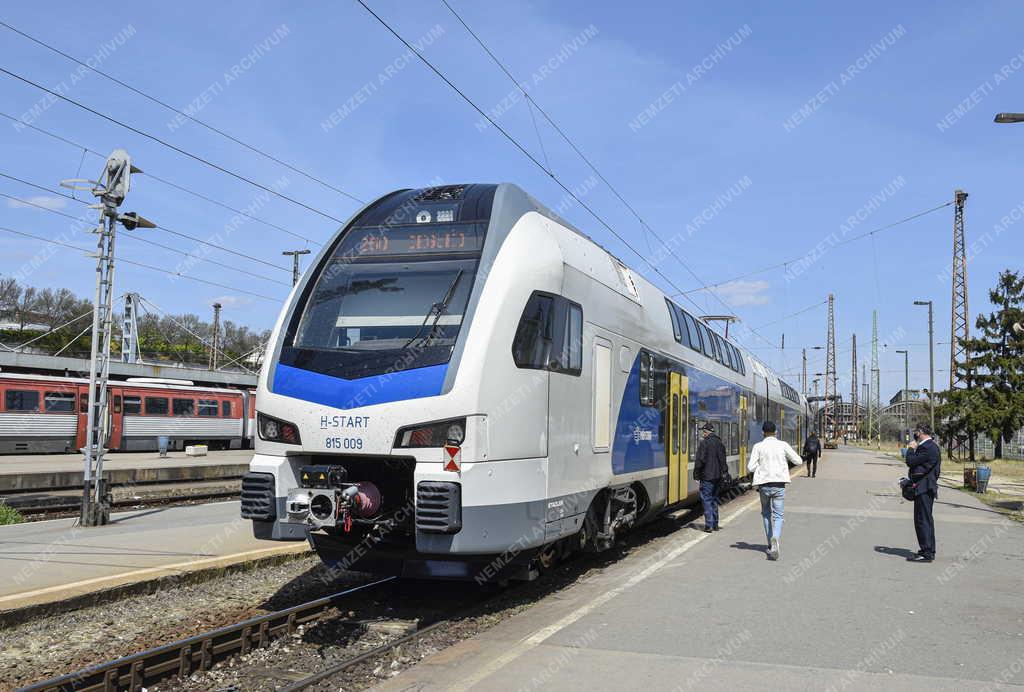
(812, 450)
(711, 470)
(924, 463)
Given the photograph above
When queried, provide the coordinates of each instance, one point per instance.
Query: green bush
(9, 515)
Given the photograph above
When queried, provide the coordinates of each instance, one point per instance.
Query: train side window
(225, 409)
(59, 402)
(184, 407)
(546, 321)
(132, 405)
(573, 363)
(531, 347)
(691, 328)
(647, 375)
(735, 438)
(208, 407)
(117, 404)
(709, 347)
(156, 406)
(21, 400)
(83, 403)
(672, 316)
(743, 366)
(684, 333)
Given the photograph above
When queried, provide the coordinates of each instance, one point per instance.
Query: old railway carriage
(463, 376)
(40, 413)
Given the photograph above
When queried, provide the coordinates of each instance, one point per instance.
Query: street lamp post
(906, 391)
(931, 361)
(804, 381)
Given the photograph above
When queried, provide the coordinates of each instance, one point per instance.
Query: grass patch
(9, 515)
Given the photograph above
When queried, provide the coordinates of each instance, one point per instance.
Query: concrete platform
(842, 609)
(22, 473)
(47, 561)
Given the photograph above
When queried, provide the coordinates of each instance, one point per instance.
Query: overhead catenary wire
(171, 317)
(159, 227)
(791, 315)
(150, 175)
(533, 159)
(148, 241)
(141, 264)
(172, 147)
(194, 119)
(793, 260)
(530, 101)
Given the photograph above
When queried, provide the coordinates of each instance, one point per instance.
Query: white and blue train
(463, 385)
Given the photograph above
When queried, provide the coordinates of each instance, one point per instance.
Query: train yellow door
(678, 412)
(744, 434)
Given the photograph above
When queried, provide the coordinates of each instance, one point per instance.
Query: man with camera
(923, 462)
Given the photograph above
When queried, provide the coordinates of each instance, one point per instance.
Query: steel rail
(195, 653)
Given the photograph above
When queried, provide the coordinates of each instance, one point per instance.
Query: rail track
(183, 657)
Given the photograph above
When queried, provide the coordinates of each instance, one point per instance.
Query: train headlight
(274, 430)
(432, 434)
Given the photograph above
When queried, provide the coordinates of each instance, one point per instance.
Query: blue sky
(693, 110)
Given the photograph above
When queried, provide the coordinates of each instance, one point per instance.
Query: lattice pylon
(960, 329)
(830, 372)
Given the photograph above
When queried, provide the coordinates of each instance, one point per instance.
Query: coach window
(184, 407)
(709, 347)
(132, 405)
(726, 352)
(573, 341)
(21, 400)
(546, 321)
(647, 376)
(675, 320)
(59, 402)
(117, 404)
(684, 333)
(208, 407)
(691, 328)
(225, 409)
(83, 403)
(156, 406)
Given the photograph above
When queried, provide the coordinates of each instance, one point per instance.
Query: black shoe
(708, 529)
(920, 557)
(717, 528)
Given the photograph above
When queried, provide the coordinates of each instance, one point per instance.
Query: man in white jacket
(769, 462)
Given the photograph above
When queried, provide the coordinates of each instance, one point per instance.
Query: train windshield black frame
(379, 312)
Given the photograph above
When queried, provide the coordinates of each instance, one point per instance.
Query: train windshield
(386, 300)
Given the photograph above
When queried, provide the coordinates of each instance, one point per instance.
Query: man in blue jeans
(769, 462)
(711, 470)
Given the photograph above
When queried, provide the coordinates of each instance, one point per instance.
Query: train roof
(24, 377)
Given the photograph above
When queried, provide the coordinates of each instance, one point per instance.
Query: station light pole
(906, 392)
(804, 382)
(931, 361)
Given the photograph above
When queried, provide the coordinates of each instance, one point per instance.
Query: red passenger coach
(43, 414)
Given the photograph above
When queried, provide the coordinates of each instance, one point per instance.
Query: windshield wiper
(436, 310)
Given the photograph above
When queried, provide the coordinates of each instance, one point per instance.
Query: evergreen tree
(994, 401)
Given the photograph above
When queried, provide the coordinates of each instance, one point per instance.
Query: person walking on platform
(770, 460)
(812, 450)
(924, 461)
(711, 470)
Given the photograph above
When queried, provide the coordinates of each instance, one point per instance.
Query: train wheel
(548, 556)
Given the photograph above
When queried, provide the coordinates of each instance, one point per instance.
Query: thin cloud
(740, 293)
(45, 201)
